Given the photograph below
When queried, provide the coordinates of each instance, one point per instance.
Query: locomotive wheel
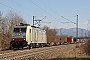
(41, 45)
(31, 47)
(22, 48)
(28, 47)
(11, 47)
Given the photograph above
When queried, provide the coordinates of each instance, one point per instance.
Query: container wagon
(63, 39)
(70, 39)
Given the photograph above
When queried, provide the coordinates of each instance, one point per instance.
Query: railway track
(23, 54)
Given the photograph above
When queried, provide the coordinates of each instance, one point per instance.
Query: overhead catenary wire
(14, 9)
(46, 6)
(68, 20)
(25, 7)
(33, 11)
(43, 10)
(56, 13)
(39, 7)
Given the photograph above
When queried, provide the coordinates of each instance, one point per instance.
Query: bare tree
(1, 24)
(6, 24)
(87, 47)
(51, 34)
(1, 30)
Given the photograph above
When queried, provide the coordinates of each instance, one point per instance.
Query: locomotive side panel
(28, 34)
(38, 36)
(44, 38)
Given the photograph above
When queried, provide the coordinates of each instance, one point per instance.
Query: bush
(87, 47)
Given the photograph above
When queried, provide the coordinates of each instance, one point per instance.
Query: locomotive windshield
(23, 29)
(16, 30)
(19, 30)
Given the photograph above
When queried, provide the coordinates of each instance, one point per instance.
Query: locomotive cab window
(19, 30)
(23, 29)
(16, 30)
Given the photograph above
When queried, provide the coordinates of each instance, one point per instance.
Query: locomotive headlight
(18, 34)
(24, 39)
(13, 39)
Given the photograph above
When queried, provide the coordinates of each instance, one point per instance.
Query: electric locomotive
(25, 35)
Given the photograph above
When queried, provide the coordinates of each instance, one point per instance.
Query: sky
(53, 13)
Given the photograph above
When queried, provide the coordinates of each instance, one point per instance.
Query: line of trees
(11, 19)
(6, 24)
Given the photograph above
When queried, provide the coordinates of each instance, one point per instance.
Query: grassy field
(68, 52)
(72, 53)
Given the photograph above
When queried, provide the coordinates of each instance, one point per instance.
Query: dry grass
(74, 54)
(69, 52)
(4, 44)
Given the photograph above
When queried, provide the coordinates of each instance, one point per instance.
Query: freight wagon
(70, 39)
(25, 35)
(63, 39)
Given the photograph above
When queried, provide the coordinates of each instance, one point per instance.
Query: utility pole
(33, 20)
(60, 34)
(37, 21)
(77, 32)
(77, 44)
(77, 27)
